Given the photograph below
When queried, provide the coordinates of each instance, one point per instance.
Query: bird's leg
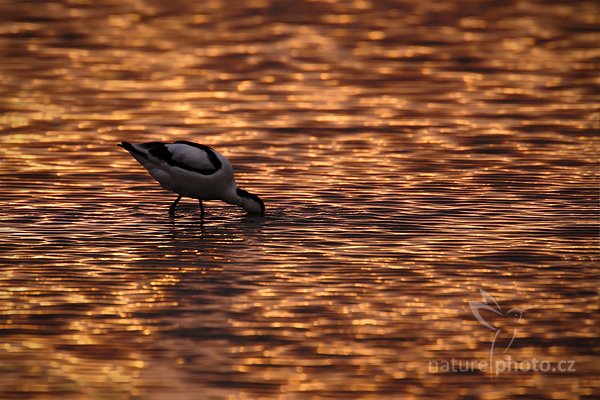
(172, 208)
(201, 208)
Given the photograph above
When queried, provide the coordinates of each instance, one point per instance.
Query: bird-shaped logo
(500, 322)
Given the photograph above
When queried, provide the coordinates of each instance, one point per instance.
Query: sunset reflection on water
(409, 154)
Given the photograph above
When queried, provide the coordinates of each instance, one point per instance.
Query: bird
(193, 170)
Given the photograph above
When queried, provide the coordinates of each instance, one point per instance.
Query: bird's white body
(216, 186)
(193, 170)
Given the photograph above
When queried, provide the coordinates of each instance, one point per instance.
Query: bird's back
(186, 168)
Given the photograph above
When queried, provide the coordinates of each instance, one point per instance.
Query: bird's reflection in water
(214, 233)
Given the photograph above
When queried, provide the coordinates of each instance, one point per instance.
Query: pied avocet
(193, 170)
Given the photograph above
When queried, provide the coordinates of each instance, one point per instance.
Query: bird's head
(251, 202)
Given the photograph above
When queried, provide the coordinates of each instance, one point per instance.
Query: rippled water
(409, 154)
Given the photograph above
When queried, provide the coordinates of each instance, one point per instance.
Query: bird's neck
(232, 197)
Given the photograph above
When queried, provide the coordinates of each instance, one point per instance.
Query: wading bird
(193, 170)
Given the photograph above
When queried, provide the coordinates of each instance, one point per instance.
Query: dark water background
(410, 153)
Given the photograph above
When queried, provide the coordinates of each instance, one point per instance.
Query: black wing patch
(160, 151)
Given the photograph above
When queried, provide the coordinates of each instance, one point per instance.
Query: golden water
(409, 155)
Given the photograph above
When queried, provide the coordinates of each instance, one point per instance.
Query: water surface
(409, 155)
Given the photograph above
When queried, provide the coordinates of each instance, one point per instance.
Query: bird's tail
(126, 145)
(132, 149)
